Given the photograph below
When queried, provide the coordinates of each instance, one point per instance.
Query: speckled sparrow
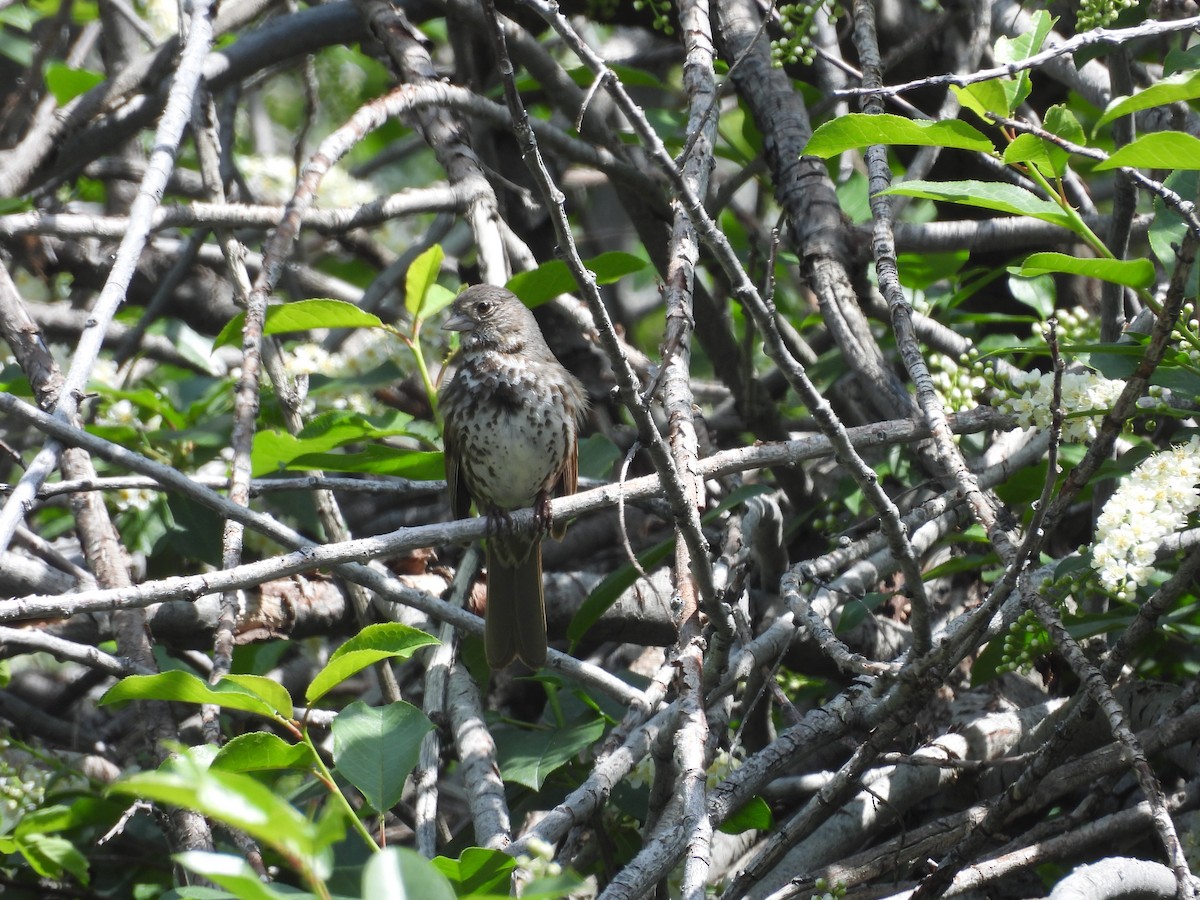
(511, 439)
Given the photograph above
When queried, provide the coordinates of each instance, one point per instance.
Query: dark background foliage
(833, 616)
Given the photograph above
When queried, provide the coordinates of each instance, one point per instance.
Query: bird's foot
(499, 522)
(543, 517)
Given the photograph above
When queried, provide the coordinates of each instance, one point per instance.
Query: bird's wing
(460, 497)
(568, 481)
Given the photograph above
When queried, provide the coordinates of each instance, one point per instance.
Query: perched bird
(512, 415)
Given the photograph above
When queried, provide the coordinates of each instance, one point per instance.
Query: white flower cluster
(273, 179)
(364, 351)
(367, 349)
(722, 766)
(539, 862)
(1085, 397)
(163, 18)
(1152, 502)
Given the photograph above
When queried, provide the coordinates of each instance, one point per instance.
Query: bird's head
(491, 318)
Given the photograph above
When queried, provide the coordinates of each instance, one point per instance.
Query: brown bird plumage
(511, 439)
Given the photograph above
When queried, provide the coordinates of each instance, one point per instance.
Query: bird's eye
(483, 307)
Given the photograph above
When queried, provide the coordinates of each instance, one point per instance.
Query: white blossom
(1086, 396)
(1151, 503)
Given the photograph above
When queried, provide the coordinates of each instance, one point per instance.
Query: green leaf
(629, 76)
(232, 873)
(529, 756)
(66, 83)
(755, 815)
(553, 277)
(20, 17)
(921, 271)
(856, 610)
(1159, 150)
(1006, 198)
(597, 456)
(1134, 273)
(612, 586)
(1050, 159)
(1027, 44)
(194, 531)
(1182, 86)
(45, 819)
(421, 276)
(377, 459)
(273, 450)
(1169, 227)
(51, 855)
(553, 887)
(1061, 121)
(247, 693)
(302, 315)
(397, 873)
(238, 800)
(985, 98)
(857, 130)
(437, 298)
(376, 748)
(1039, 294)
(258, 751)
(478, 871)
(387, 640)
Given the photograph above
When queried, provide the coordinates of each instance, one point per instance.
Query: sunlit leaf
(1158, 150)
(1134, 273)
(1182, 86)
(421, 276)
(386, 640)
(376, 459)
(261, 751)
(1005, 198)
(861, 130)
(478, 871)
(232, 873)
(302, 315)
(1050, 160)
(274, 450)
(66, 83)
(755, 815)
(238, 800)
(397, 873)
(247, 693)
(553, 277)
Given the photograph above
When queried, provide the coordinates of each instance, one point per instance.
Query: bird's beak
(458, 322)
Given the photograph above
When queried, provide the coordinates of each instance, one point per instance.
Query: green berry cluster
(798, 22)
(1026, 641)
(1100, 13)
(1187, 333)
(1077, 326)
(22, 780)
(960, 382)
(661, 10)
(603, 10)
(834, 891)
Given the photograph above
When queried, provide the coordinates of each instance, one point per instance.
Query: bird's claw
(543, 517)
(499, 522)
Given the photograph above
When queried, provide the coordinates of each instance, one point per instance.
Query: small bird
(512, 414)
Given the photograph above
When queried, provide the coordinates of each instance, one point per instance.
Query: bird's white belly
(523, 449)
